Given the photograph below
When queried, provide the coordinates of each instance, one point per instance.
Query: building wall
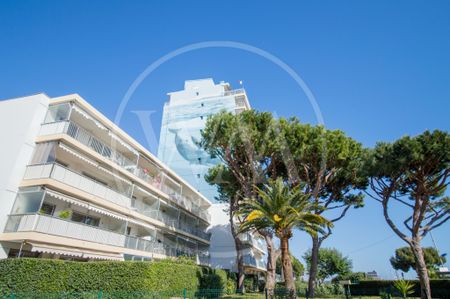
(184, 117)
(20, 124)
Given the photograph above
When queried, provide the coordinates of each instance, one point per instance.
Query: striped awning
(86, 205)
(75, 252)
(76, 154)
(87, 116)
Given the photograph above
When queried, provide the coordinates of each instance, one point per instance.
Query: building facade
(75, 186)
(184, 116)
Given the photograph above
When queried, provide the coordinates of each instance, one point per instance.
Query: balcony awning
(87, 116)
(78, 155)
(75, 252)
(123, 143)
(88, 206)
(114, 175)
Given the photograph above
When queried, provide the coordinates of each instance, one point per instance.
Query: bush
(231, 286)
(440, 288)
(36, 276)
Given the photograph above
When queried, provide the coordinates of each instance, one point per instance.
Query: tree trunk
(313, 266)
(240, 267)
(421, 269)
(271, 262)
(239, 256)
(287, 266)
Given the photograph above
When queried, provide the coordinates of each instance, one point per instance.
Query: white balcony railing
(69, 229)
(60, 227)
(76, 180)
(254, 262)
(80, 134)
(253, 241)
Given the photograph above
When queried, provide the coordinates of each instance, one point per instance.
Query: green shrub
(440, 288)
(231, 286)
(38, 276)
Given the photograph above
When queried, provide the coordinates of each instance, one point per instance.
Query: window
(57, 113)
(201, 116)
(203, 105)
(200, 160)
(27, 202)
(197, 93)
(198, 175)
(89, 220)
(44, 153)
(47, 209)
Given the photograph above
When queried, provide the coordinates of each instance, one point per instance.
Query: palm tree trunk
(313, 266)
(287, 266)
(271, 262)
(421, 269)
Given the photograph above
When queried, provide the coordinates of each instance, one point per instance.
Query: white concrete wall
(20, 120)
(197, 89)
(222, 248)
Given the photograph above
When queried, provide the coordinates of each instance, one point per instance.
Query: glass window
(47, 209)
(92, 221)
(89, 220)
(77, 217)
(44, 153)
(27, 202)
(57, 113)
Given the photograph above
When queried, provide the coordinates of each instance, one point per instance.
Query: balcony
(248, 238)
(64, 228)
(253, 262)
(71, 178)
(234, 92)
(76, 180)
(154, 179)
(80, 134)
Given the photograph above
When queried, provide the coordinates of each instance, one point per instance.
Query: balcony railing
(66, 228)
(60, 227)
(74, 179)
(80, 134)
(255, 242)
(253, 262)
(234, 92)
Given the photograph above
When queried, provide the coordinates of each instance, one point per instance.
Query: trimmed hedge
(440, 288)
(57, 276)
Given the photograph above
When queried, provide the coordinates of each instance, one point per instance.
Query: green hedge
(57, 276)
(440, 288)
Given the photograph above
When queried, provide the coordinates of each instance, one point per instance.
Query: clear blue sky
(378, 69)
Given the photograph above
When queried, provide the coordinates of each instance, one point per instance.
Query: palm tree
(281, 208)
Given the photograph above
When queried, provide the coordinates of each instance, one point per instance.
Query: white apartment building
(184, 116)
(75, 186)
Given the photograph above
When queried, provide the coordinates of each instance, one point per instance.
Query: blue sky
(378, 69)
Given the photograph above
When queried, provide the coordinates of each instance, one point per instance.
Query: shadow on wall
(222, 249)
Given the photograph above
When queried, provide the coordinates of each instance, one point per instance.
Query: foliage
(403, 259)
(244, 143)
(330, 166)
(440, 288)
(297, 266)
(51, 276)
(413, 172)
(354, 277)
(65, 214)
(280, 208)
(231, 286)
(213, 279)
(331, 262)
(405, 287)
